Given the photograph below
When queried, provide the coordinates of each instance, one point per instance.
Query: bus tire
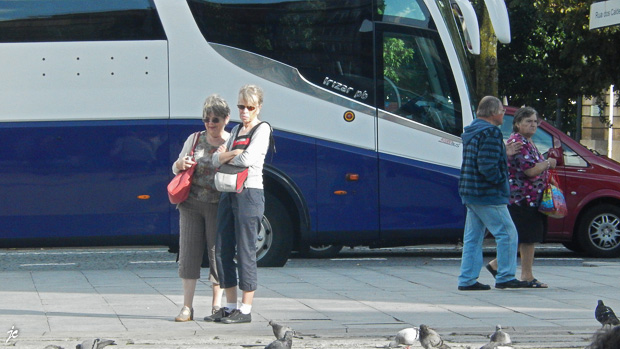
(275, 239)
(320, 251)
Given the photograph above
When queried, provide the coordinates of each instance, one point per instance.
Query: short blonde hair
(251, 93)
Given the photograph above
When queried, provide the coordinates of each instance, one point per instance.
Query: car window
(571, 158)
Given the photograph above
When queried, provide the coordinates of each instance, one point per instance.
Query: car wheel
(599, 231)
(320, 251)
(275, 238)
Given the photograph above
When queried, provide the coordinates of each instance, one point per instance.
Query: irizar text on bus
(344, 88)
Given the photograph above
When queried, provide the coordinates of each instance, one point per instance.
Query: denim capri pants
(239, 218)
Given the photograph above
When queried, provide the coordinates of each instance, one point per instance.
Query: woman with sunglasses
(239, 215)
(198, 213)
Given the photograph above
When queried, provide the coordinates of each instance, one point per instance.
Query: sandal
(536, 284)
(491, 270)
(186, 314)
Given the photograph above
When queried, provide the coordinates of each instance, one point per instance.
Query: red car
(591, 186)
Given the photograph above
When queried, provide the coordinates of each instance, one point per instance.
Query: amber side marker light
(340, 192)
(144, 197)
(352, 177)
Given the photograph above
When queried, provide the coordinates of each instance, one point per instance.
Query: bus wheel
(320, 251)
(275, 238)
(599, 231)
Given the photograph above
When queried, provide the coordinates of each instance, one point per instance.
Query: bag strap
(272, 143)
(196, 138)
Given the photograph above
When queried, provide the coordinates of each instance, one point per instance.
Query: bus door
(419, 122)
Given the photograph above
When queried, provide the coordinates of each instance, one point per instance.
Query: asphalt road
(104, 258)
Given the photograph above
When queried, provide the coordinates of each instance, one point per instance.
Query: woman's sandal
(186, 314)
(491, 270)
(537, 284)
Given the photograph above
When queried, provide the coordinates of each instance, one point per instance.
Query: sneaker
(186, 314)
(218, 315)
(237, 317)
(514, 283)
(475, 287)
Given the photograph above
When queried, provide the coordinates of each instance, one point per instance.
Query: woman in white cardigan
(239, 215)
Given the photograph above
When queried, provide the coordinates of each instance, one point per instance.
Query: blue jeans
(497, 219)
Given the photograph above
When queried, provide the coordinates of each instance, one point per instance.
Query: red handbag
(178, 188)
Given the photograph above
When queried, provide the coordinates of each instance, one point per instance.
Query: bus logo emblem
(349, 116)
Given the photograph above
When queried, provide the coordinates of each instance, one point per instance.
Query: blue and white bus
(367, 98)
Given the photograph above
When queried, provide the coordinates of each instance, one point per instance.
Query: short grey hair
(489, 106)
(216, 105)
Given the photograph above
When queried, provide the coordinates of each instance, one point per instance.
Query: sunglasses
(214, 120)
(248, 107)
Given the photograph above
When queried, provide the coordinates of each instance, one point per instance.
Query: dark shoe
(514, 283)
(491, 270)
(475, 287)
(237, 317)
(218, 315)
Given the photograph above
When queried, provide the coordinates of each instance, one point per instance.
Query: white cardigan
(252, 157)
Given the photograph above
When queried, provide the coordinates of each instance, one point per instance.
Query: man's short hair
(489, 106)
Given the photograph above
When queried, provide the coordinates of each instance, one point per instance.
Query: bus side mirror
(557, 154)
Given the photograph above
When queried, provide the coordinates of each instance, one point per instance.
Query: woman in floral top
(197, 214)
(528, 172)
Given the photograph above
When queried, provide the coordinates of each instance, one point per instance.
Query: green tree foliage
(554, 57)
(395, 55)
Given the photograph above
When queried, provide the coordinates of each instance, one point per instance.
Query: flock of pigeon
(428, 338)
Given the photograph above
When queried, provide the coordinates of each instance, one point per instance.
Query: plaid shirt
(484, 171)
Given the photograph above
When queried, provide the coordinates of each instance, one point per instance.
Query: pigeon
(500, 337)
(283, 343)
(431, 339)
(279, 330)
(605, 315)
(406, 337)
(96, 343)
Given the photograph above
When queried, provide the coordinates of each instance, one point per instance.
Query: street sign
(604, 14)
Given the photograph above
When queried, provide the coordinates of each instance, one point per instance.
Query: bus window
(417, 82)
(401, 11)
(85, 20)
(325, 40)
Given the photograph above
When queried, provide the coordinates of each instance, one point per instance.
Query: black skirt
(531, 224)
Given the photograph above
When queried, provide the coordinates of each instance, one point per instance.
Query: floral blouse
(525, 190)
(203, 186)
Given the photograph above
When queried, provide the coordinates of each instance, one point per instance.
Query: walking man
(484, 190)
